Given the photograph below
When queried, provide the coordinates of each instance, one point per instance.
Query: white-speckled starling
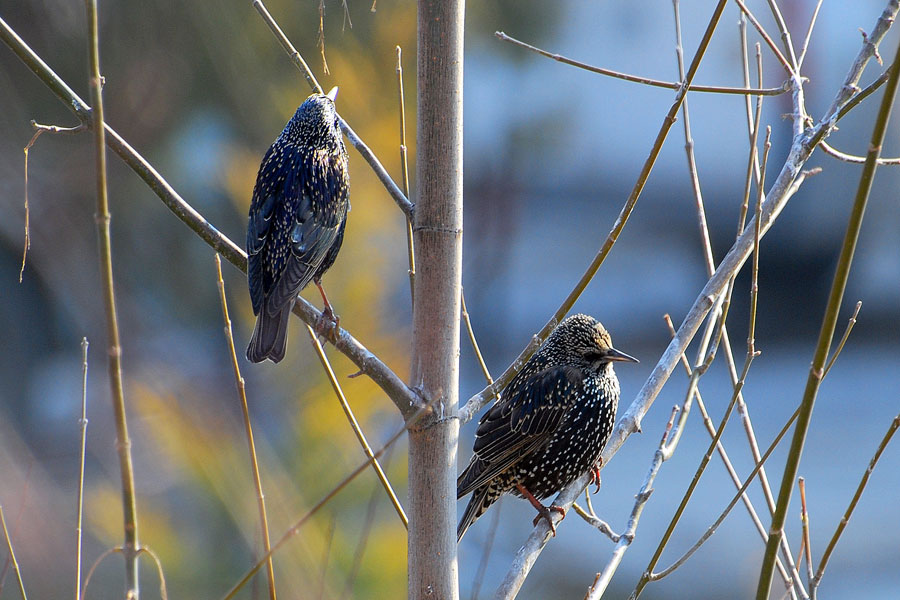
(550, 423)
(297, 218)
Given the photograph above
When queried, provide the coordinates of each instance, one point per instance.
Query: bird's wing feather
(292, 225)
(530, 410)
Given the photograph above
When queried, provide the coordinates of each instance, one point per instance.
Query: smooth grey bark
(437, 231)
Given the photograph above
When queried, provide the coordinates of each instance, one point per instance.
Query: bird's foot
(546, 512)
(329, 324)
(543, 511)
(595, 475)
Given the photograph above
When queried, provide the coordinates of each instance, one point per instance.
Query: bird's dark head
(586, 342)
(316, 122)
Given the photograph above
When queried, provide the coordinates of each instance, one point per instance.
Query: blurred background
(551, 154)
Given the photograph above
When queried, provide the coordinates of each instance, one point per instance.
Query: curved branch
(712, 89)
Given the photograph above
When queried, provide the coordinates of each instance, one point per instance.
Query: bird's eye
(594, 356)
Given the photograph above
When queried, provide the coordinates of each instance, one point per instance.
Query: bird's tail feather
(481, 499)
(270, 335)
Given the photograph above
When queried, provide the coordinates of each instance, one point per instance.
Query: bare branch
(785, 34)
(714, 527)
(114, 346)
(662, 454)
(829, 320)
(765, 36)
(248, 429)
(354, 424)
(745, 91)
(843, 341)
(163, 593)
(895, 423)
(852, 158)
(288, 47)
(12, 556)
(465, 316)
(809, 30)
(404, 165)
(82, 422)
(804, 519)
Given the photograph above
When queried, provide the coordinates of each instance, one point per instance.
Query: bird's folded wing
(527, 415)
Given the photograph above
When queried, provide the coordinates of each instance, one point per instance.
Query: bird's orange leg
(329, 322)
(595, 474)
(543, 511)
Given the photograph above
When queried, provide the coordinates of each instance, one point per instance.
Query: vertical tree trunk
(438, 242)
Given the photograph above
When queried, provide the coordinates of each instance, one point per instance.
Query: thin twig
(114, 347)
(745, 91)
(12, 556)
(366, 531)
(649, 574)
(248, 429)
(804, 521)
(809, 31)
(320, 42)
(465, 317)
(743, 489)
(82, 423)
(662, 454)
(39, 129)
(476, 402)
(399, 197)
(163, 593)
(861, 94)
(753, 121)
(852, 158)
(295, 528)
(823, 562)
(329, 541)
(785, 33)
(765, 36)
(288, 47)
(96, 563)
(596, 522)
(404, 166)
(354, 424)
(729, 467)
(843, 341)
(829, 322)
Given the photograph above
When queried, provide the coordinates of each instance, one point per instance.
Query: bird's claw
(595, 477)
(545, 512)
(328, 325)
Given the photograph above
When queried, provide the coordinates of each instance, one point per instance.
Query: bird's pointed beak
(332, 95)
(613, 354)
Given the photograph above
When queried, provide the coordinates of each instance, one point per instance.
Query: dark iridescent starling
(550, 423)
(297, 218)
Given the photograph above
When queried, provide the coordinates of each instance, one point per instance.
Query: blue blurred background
(551, 154)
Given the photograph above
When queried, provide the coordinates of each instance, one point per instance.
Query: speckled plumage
(550, 423)
(297, 218)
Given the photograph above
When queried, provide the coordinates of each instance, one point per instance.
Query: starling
(550, 423)
(297, 218)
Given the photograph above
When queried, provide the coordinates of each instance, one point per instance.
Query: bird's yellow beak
(332, 95)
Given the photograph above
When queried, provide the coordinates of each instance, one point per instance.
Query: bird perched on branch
(550, 423)
(297, 218)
